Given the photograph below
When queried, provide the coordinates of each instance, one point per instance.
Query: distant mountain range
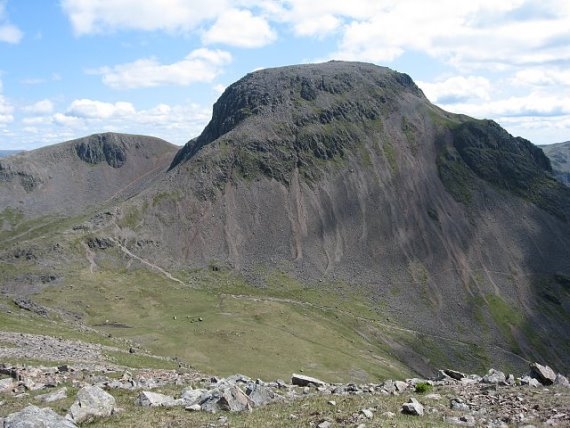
(321, 201)
(4, 153)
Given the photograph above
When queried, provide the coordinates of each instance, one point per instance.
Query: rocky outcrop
(102, 148)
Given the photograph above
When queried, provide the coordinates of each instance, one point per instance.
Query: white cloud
(457, 89)
(219, 89)
(6, 109)
(102, 16)
(40, 107)
(201, 65)
(8, 33)
(320, 26)
(175, 123)
(90, 109)
(240, 28)
(474, 34)
(542, 76)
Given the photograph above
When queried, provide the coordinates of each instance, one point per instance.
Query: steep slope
(67, 178)
(345, 172)
(318, 184)
(559, 155)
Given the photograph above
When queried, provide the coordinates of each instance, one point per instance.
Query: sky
(72, 68)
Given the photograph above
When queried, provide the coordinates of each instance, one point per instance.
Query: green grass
(269, 332)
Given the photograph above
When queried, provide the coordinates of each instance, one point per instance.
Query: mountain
(559, 155)
(69, 177)
(328, 216)
(5, 153)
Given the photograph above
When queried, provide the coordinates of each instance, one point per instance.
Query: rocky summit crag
(328, 215)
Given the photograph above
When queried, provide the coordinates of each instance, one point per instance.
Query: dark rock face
(302, 114)
(102, 148)
(509, 163)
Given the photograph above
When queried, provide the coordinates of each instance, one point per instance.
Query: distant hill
(69, 177)
(559, 155)
(5, 153)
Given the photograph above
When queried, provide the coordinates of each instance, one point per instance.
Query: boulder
(495, 377)
(154, 399)
(413, 407)
(302, 380)
(91, 402)
(260, 395)
(562, 381)
(544, 374)
(454, 374)
(400, 386)
(233, 399)
(192, 396)
(34, 417)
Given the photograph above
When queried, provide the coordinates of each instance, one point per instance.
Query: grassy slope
(267, 333)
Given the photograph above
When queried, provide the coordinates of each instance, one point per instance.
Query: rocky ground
(68, 396)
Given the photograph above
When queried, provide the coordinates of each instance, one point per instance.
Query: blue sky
(71, 68)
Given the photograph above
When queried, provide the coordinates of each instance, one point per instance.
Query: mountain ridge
(343, 179)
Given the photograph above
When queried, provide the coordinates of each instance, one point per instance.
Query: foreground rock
(154, 399)
(544, 374)
(34, 417)
(413, 407)
(91, 402)
(301, 380)
(494, 400)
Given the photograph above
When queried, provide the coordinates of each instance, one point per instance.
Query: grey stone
(34, 417)
(562, 381)
(60, 394)
(193, 408)
(458, 404)
(302, 380)
(210, 401)
(192, 396)
(400, 386)
(324, 424)
(494, 377)
(543, 374)
(154, 399)
(6, 384)
(236, 378)
(91, 402)
(259, 394)
(233, 399)
(367, 413)
(454, 374)
(413, 407)
(433, 396)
